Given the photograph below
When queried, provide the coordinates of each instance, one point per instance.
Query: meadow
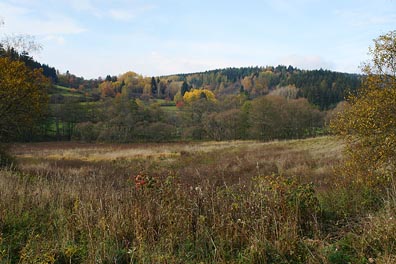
(195, 202)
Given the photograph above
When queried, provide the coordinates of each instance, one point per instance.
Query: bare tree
(19, 42)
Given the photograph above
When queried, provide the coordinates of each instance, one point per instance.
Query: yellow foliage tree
(369, 124)
(197, 94)
(23, 97)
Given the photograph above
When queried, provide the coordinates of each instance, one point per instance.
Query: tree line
(235, 103)
(199, 118)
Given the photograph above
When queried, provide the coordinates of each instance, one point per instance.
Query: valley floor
(200, 202)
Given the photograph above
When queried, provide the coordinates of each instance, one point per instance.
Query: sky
(93, 38)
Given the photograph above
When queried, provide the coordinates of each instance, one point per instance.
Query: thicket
(125, 120)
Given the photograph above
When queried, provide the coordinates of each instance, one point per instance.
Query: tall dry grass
(88, 216)
(235, 202)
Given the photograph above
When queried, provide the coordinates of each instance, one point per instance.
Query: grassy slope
(211, 202)
(66, 92)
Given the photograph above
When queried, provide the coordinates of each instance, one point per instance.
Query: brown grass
(212, 202)
(229, 162)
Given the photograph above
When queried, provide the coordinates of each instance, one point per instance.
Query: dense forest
(235, 103)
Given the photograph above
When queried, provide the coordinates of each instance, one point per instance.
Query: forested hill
(49, 72)
(323, 88)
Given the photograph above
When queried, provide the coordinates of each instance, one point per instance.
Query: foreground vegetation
(216, 202)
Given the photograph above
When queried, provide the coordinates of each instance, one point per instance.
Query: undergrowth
(232, 206)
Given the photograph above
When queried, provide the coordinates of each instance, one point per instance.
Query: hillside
(322, 88)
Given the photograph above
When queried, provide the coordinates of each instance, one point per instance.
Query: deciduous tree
(23, 97)
(369, 124)
(197, 94)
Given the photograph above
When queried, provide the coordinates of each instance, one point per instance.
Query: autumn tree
(197, 94)
(302, 119)
(107, 89)
(195, 109)
(247, 83)
(225, 125)
(266, 117)
(289, 92)
(134, 84)
(368, 124)
(23, 97)
(275, 117)
(23, 88)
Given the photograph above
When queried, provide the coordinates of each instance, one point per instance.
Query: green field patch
(169, 108)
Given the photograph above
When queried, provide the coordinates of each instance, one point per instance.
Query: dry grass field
(312, 159)
(203, 202)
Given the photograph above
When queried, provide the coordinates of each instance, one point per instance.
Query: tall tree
(184, 88)
(368, 125)
(108, 78)
(23, 97)
(154, 87)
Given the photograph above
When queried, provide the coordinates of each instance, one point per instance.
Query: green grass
(89, 103)
(72, 95)
(164, 102)
(66, 92)
(63, 88)
(171, 109)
